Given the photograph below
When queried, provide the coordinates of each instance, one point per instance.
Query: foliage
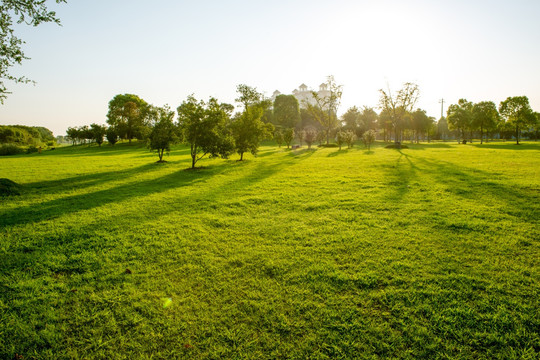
(128, 114)
(421, 123)
(485, 117)
(367, 120)
(203, 127)
(278, 137)
(112, 135)
(459, 117)
(350, 138)
(368, 138)
(325, 108)
(288, 136)
(351, 118)
(517, 112)
(25, 135)
(248, 130)
(397, 107)
(310, 135)
(31, 12)
(163, 133)
(10, 149)
(98, 132)
(286, 111)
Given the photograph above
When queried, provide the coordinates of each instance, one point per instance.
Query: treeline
(211, 128)
(17, 139)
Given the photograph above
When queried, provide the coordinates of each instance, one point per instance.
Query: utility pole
(442, 107)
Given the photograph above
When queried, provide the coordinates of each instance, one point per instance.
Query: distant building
(304, 95)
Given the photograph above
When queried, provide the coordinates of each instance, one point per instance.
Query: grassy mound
(8, 187)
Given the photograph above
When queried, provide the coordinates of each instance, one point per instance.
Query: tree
(351, 118)
(340, 138)
(459, 117)
(288, 136)
(163, 132)
(368, 138)
(286, 111)
(72, 134)
(278, 137)
(484, 117)
(31, 12)
(517, 112)
(310, 135)
(421, 124)
(367, 120)
(399, 105)
(128, 113)
(248, 129)
(98, 132)
(325, 107)
(203, 127)
(112, 135)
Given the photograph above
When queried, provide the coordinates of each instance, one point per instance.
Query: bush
(32, 149)
(331, 145)
(10, 149)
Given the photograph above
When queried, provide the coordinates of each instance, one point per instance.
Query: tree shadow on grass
(427, 146)
(338, 152)
(52, 209)
(509, 146)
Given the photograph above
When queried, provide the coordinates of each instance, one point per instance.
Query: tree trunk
(517, 135)
(481, 135)
(242, 156)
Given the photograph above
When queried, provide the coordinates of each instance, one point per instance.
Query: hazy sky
(164, 50)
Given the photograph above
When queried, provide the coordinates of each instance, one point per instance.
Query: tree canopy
(128, 114)
(286, 111)
(517, 112)
(31, 12)
(203, 127)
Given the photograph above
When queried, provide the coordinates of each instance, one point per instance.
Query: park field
(431, 252)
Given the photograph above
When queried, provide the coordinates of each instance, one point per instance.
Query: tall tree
(286, 111)
(459, 117)
(398, 105)
(324, 107)
(128, 113)
(203, 128)
(484, 117)
(31, 12)
(517, 112)
(163, 133)
(420, 123)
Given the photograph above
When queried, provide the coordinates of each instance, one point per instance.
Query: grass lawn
(430, 252)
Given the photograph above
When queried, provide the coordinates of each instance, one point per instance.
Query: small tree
(350, 138)
(288, 136)
(340, 138)
(321, 136)
(278, 137)
(368, 138)
(310, 135)
(163, 133)
(112, 135)
(517, 112)
(203, 128)
(300, 134)
(485, 117)
(98, 132)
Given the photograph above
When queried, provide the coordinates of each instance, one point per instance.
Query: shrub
(32, 149)
(331, 145)
(10, 149)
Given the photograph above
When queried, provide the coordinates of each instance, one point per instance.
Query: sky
(165, 50)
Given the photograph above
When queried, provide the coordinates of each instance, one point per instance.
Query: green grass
(429, 252)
